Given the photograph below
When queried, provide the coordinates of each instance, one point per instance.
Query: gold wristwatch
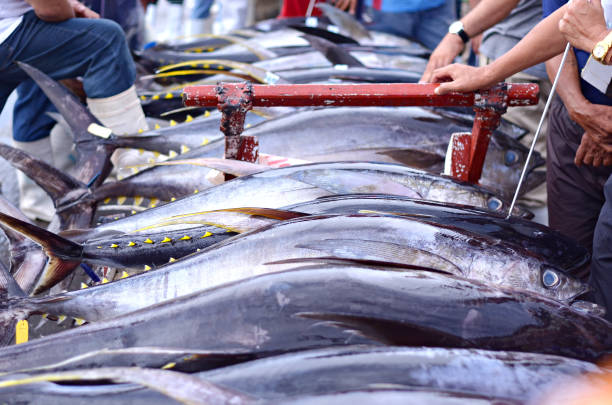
(602, 48)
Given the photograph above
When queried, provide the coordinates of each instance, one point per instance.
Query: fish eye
(494, 204)
(511, 158)
(550, 279)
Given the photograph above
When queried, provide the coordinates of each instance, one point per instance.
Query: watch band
(457, 28)
(601, 49)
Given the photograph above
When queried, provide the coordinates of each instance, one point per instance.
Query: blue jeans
(428, 26)
(202, 8)
(601, 262)
(95, 50)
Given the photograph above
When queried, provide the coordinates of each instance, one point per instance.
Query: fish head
(561, 286)
(504, 162)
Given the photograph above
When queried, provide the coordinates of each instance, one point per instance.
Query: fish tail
(10, 296)
(93, 141)
(64, 255)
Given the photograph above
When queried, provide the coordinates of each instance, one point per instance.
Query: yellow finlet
(124, 274)
(198, 249)
(173, 123)
(99, 247)
(166, 240)
(104, 280)
(61, 319)
(133, 212)
(168, 366)
(153, 202)
(21, 332)
(207, 113)
(121, 200)
(196, 191)
(172, 259)
(138, 200)
(83, 286)
(157, 126)
(114, 245)
(140, 151)
(155, 97)
(130, 244)
(107, 200)
(206, 235)
(147, 267)
(140, 131)
(184, 149)
(172, 199)
(149, 241)
(205, 142)
(189, 118)
(169, 96)
(143, 98)
(172, 154)
(79, 321)
(156, 154)
(186, 237)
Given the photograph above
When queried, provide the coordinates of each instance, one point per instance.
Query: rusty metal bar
(360, 95)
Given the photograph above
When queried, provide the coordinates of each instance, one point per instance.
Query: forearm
(568, 87)
(543, 42)
(486, 14)
(52, 10)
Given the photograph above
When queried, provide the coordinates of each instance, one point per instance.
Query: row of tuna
(353, 272)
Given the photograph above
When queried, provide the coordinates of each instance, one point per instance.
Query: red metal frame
(469, 150)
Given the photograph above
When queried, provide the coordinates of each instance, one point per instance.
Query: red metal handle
(393, 94)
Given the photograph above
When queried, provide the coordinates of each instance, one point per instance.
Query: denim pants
(601, 263)
(95, 50)
(428, 26)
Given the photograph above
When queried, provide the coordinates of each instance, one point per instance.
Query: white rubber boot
(123, 114)
(33, 201)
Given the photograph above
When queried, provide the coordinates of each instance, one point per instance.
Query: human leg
(575, 194)
(601, 263)
(432, 25)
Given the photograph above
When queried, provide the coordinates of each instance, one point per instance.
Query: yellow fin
(157, 125)
(169, 96)
(206, 235)
(143, 98)
(21, 332)
(205, 142)
(114, 245)
(107, 200)
(155, 97)
(104, 280)
(61, 319)
(173, 199)
(156, 154)
(172, 154)
(131, 244)
(124, 274)
(184, 149)
(172, 123)
(83, 286)
(140, 131)
(153, 202)
(148, 241)
(138, 200)
(172, 259)
(186, 237)
(207, 113)
(147, 267)
(189, 118)
(121, 200)
(168, 366)
(196, 191)
(99, 247)
(79, 321)
(166, 240)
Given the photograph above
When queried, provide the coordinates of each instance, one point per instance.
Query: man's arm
(52, 10)
(595, 119)
(542, 43)
(483, 16)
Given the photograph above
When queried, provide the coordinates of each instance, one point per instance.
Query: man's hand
(81, 11)
(590, 152)
(346, 5)
(583, 24)
(596, 119)
(462, 78)
(444, 54)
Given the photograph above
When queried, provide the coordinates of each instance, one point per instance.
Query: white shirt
(11, 14)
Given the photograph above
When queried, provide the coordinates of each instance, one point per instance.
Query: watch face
(599, 51)
(455, 27)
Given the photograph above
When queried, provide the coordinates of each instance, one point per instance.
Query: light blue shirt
(407, 6)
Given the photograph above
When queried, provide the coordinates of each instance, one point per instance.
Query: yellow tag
(99, 130)
(21, 332)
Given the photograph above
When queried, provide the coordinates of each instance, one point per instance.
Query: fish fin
(236, 168)
(83, 235)
(345, 21)
(10, 292)
(332, 37)
(56, 270)
(385, 331)
(380, 251)
(418, 159)
(181, 387)
(93, 152)
(383, 265)
(53, 181)
(332, 52)
(281, 215)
